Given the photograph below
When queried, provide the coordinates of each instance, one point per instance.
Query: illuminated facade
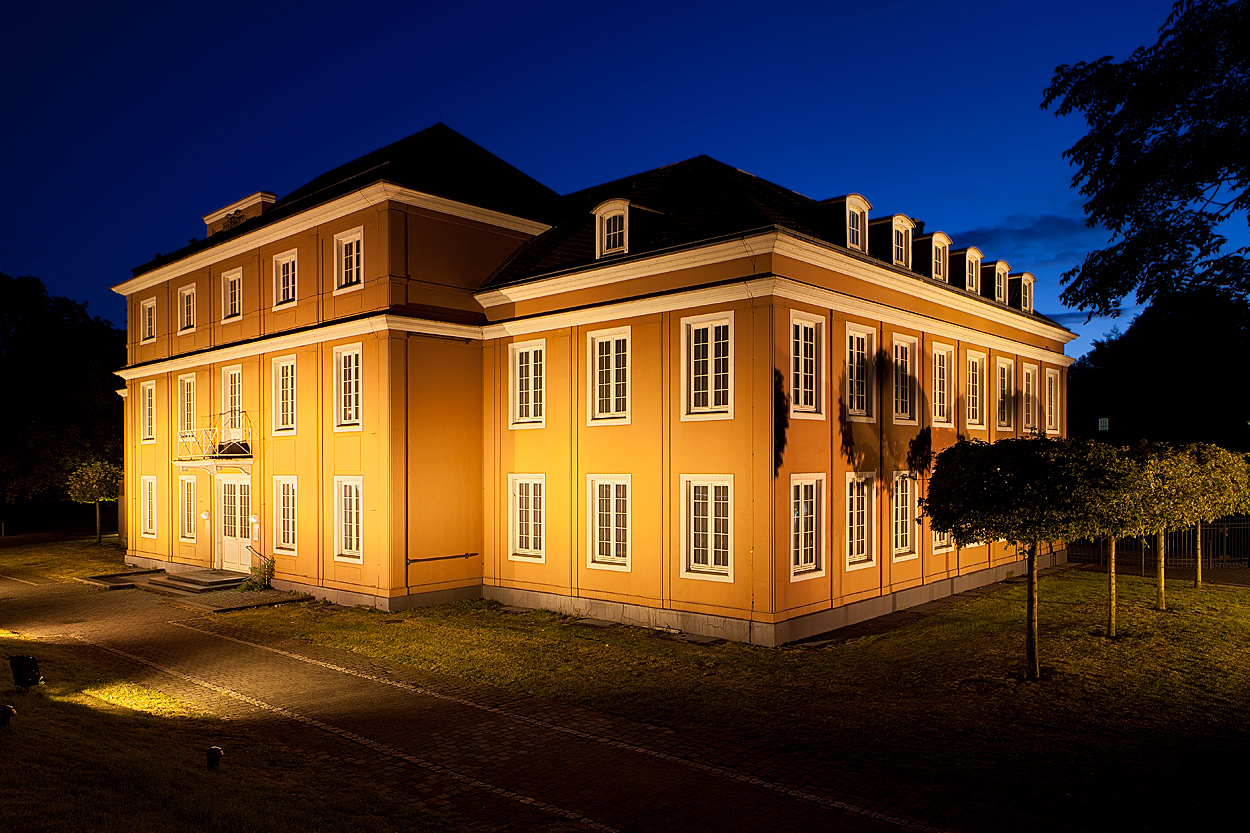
(688, 398)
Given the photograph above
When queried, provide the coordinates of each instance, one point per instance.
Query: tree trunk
(1111, 590)
(97, 522)
(1160, 603)
(1032, 671)
(1198, 558)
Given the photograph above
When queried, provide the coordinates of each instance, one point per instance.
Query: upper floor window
(859, 372)
(147, 320)
(611, 227)
(1026, 295)
(232, 396)
(806, 360)
(347, 394)
(857, 222)
(1030, 397)
(939, 261)
(974, 391)
(901, 246)
(1052, 401)
(904, 380)
(609, 375)
(284, 394)
(186, 309)
(707, 365)
(1006, 393)
(974, 275)
(284, 274)
(186, 406)
(147, 412)
(943, 378)
(349, 260)
(528, 382)
(1000, 285)
(232, 294)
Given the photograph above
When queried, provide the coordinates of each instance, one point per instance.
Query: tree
(1168, 495)
(1223, 487)
(92, 483)
(1164, 162)
(1025, 490)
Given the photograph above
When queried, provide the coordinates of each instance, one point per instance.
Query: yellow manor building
(689, 398)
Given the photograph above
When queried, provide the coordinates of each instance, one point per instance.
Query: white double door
(234, 525)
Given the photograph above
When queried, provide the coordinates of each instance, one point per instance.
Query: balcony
(222, 442)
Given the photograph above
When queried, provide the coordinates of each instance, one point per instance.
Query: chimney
(236, 212)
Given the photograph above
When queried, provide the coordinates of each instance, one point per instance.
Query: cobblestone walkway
(488, 756)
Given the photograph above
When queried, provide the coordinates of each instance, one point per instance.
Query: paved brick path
(491, 757)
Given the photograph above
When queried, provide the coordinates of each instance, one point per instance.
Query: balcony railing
(222, 437)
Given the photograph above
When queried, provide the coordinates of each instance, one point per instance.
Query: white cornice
(304, 220)
(278, 343)
(262, 197)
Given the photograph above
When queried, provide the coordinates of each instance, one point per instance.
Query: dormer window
(1000, 285)
(1026, 295)
(1020, 291)
(974, 275)
(857, 209)
(932, 255)
(889, 239)
(900, 247)
(612, 228)
(939, 262)
(855, 229)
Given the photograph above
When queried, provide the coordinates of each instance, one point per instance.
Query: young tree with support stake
(94, 482)
(1025, 490)
(1224, 484)
(1169, 496)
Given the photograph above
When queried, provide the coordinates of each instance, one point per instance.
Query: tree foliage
(93, 482)
(1164, 161)
(57, 362)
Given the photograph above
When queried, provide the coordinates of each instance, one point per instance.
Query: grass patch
(63, 560)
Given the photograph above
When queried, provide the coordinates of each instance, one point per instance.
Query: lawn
(61, 559)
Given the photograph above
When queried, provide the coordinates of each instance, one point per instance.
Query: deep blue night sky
(125, 124)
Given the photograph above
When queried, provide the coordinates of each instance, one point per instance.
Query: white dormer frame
(1001, 272)
(1026, 291)
(611, 238)
(939, 252)
(972, 263)
(857, 209)
(901, 229)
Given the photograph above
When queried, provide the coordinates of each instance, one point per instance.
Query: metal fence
(1225, 543)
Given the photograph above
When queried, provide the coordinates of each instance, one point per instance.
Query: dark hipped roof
(437, 161)
(695, 200)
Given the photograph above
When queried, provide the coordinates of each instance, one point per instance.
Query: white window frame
(532, 412)
(147, 320)
(854, 412)
(604, 213)
(902, 246)
(232, 411)
(1051, 401)
(290, 258)
(709, 571)
(186, 407)
(617, 413)
(904, 529)
(941, 262)
(343, 537)
(284, 486)
(231, 280)
(147, 412)
(283, 368)
(188, 509)
(807, 379)
(854, 559)
(803, 523)
(711, 411)
(974, 275)
(1004, 397)
(974, 391)
(944, 395)
(349, 417)
(349, 279)
(529, 553)
(1026, 295)
(857, 222)
(186, 310)
(147, 506)
(904, 387)
(594, 530)
(1000, 285)
(942, 541)
(1029, 392)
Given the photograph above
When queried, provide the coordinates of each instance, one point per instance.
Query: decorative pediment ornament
(232, 219)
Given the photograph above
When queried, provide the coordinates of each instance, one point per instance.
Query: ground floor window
(708, 526)
(608, 521)
(527, 524)
(348, 518)
(284, 515)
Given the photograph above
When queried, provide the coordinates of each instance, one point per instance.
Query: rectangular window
(284, 394)
(1006, 398)
(855, 230)
(147, 319)
(943, 373)
(1000, 286)
(1030, 397)
(707, 348)
(859, 376)
(147, 506)
(528, 505)
(147, 412)
(939, 262)
(186, 309)
(609, 375)
(904, 511)
(860, 510)
(807, 524)
(1026, 295)
(186, 407)
(974, 276)
(187, 515)
(900, 247)
(284, 272)
(284, 526)
(231, 294)
(943, 541)
(614, 233)
(348, 260)
(806, 365)
(608, 520)
(232, 398)
(348, 518)
(707, 523)
(1052, 401)
(904, 380)
(347, 381)
(527, 361)
(974, 393)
